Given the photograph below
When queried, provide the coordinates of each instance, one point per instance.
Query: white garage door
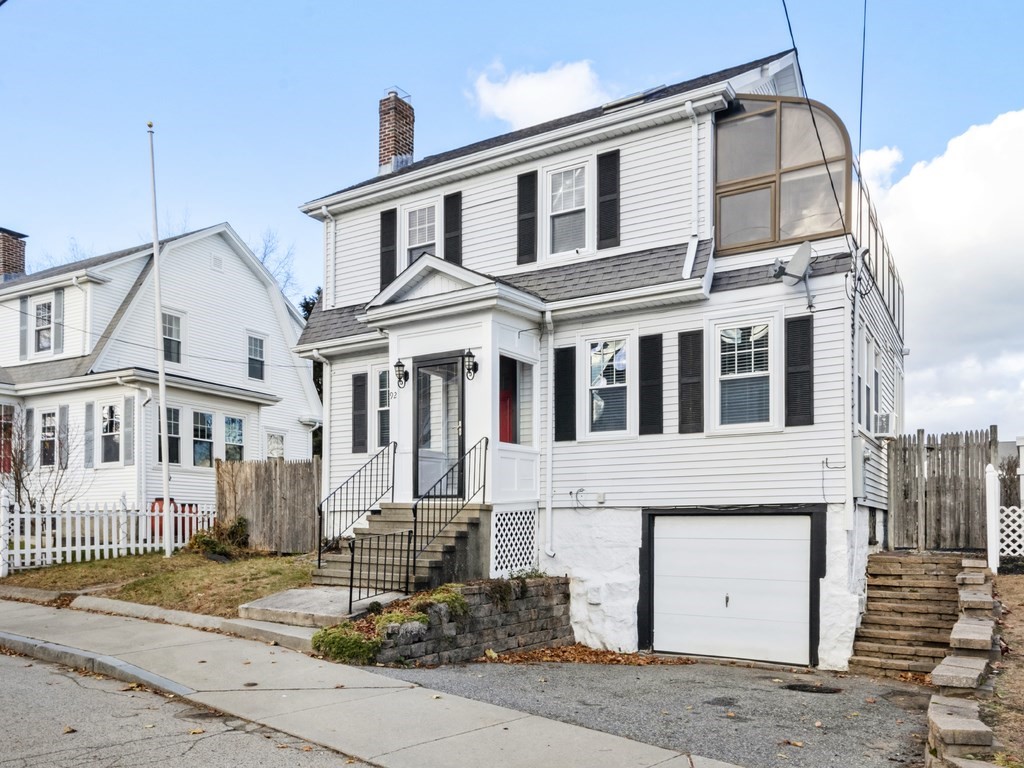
(733, 585)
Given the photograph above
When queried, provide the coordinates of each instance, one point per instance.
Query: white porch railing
(71, 533)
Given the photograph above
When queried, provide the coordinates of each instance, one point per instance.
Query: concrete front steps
(911, 609)
(452, 556)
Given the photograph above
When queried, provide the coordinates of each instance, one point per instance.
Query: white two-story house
(678, 325)
(79, 347)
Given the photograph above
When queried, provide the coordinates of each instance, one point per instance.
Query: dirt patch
(1005, 712)
(581, 654)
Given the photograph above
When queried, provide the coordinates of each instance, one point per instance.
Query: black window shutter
(651, 385)
(23, 337)
(691, 382)
(565, 393)
(526, 252)
(388, 247)
(453, 228)
(608, 200)
(359, 421)
(800, 371)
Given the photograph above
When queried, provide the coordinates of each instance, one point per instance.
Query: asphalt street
(56, 717)
(736, 714)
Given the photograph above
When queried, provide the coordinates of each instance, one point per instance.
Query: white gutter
(140, 442)
(328, 291)
(691, 251)
(549, 522)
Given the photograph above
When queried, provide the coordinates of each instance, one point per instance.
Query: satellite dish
(797, 269)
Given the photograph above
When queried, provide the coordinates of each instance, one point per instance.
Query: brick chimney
(12, 254)
(396, 129)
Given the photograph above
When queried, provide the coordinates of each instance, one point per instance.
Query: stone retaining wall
(518, 614)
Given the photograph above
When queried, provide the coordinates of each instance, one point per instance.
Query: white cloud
(527, 98)
(877, 167)
(953, 225)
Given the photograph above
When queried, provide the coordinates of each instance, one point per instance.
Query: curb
(93, 662)
(35, 595)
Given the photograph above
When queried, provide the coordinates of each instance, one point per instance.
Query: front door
(438, 425)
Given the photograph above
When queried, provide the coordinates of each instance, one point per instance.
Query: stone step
(973, 634)
(891, 595)
(899, 636)
(886, 650)
(912, 569)
(889, 667)
(908, 582)
(960, 672)
(971, 577)
(328, 578)
(934, 558)
(945, 608)
(923, 621)
(976, 599)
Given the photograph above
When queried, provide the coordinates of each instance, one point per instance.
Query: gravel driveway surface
(727, 712)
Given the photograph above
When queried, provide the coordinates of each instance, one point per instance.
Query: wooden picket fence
(937, 489)
(73, 533)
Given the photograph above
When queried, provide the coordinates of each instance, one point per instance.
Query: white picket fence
(71, 533)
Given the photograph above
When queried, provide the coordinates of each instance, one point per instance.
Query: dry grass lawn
(184, 582)
(1005, 713)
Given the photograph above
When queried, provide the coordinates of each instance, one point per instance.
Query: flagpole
(165, 471)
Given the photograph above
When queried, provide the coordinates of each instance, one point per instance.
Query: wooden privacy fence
(937, 489)
(32, 537)
(277, 497)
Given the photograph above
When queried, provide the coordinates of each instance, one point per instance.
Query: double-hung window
(110, 434)
(275, 445)
(172, 337)
(744, 374)
(48, 439)
(608, 384)
(202, 439)
(421, 234)
(383, 408)
(234, 438)
(173, 437)
(43, 326)
(257, 357)
(568, 196)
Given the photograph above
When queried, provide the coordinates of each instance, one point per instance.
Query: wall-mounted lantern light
(470, 364)
(401, 375)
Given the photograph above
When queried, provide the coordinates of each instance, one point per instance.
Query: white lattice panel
(1011, 532)
(513, 540)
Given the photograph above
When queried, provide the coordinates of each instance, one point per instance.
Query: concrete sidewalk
(354, 711)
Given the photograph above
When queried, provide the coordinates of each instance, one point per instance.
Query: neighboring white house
(696, 438)
(78, 369)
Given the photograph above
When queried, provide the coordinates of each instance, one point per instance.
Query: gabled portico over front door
(439, 413)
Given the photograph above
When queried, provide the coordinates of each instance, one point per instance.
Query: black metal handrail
(378, 564)
(435, 509)
(352, 500)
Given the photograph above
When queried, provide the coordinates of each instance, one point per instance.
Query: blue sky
(262, 106)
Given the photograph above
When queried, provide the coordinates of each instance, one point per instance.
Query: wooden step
(903, 635)
(886, 650)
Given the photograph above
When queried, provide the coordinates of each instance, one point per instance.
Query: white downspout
(325, 427)
(140, 443)
(328, 290)
(549, 522)
(691, 250)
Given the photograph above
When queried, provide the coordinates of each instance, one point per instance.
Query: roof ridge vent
(633, 98)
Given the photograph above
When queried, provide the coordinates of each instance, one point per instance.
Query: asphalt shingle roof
(562, 122)
(324, 325)
(748, 277)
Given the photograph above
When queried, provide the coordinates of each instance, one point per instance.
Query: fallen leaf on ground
(730, 714)
(149, 725)
(817, 723)
(282, 746)
(792, 743)
(491, 654)
(69, 729)
(870, 700)
(196, 731)
(436, 696)
(307, 748)
(581, 654)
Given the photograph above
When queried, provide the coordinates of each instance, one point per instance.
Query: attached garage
(739, 586)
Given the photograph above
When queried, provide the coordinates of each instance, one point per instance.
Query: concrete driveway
(732, 713)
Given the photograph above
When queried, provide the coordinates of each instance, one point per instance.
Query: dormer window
(568, 209)
(775, 183)
(422, 232)
(44, 326)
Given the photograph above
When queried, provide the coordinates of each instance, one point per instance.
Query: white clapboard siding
(342, 461)
(33, 537)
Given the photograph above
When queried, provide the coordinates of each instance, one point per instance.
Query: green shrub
(374, 608)
(344, 643)
(206, 543)
(237, 533)
(532, 572)
(446, 594)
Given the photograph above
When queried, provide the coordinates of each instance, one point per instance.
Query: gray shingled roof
(610, 274)
(93, 261)
(748, 277)
(562, 122)
(639, 269)
(5, 377)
